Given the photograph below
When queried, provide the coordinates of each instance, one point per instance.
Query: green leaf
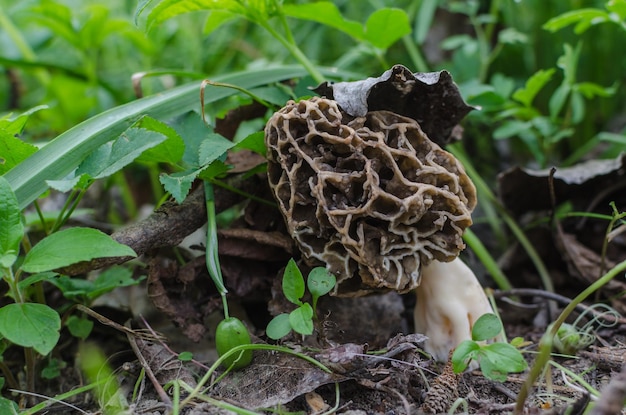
(178, 184)
(185, 356)
(212, 148)
(169, 151)
(278, 327)
(326, 13)
(112, 157)
(385, 26)
(577, 104)
(53, 369)
(61, 156)
(79, 327)
(216, 19)
(293, 283)
(254, 142)
(510, 129)
(558, 99)
(167, 9)
(618, 7)
(424, 20)
(8, 407)
(11, 227)
(301, 319)
(486, 327)
(35, 278)
(320, 281)
(583, 18)
(70, 246)
(111, 279)
(30, 325)
(463, 354)
(533, 85)
(499, 359)
(591, 90)
(73, 182)
(13, 151)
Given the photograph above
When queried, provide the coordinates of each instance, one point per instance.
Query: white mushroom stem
(449, 301)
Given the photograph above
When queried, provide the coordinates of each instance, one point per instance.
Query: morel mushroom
(381, 206)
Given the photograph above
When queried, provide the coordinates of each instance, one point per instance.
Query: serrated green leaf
(193, 131)
(301, 319)
(213, 147)
(13, 151)
(169, 151)
(534, 84)
(178, 184)
(385, 26)
(463, 354)
(11, 227)
(278, 327)
(30, 325)
(254, 142)
(70, 246)
(112, 157)
(486, 327)
(326, 13)
(293, 283)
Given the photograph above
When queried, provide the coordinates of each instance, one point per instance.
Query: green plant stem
(545, 345)
(59, 398)
(415, 54)
(485, 257)
(212, 255)
(295, 52)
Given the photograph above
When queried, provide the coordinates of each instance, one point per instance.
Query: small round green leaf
(463, 354)
(31, 325)
(320, 281)
(185, 356)
(279, 327)
(301, 319)
(70, 246)
(79, 327)
(486, 327)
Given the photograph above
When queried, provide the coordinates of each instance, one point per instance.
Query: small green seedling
(496, 359)
(300, 320)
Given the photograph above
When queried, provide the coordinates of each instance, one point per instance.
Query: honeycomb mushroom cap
(371, 197)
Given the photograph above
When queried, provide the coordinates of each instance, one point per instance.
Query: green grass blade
(63, 154)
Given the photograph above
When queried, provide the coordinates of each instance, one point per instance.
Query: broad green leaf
(8, 407)
(178, 184)
(167, 9)
(169, 151)
(385, 26)
(499, 359)
(13, 151)
(293, 283)
(79, 327)
(30, 325)
(534, 84)
(320, 281)
(62, 155)
(278, 327)
(463, 354)
(70, 246)
(112, 157)
(11, 227)
(301, 319)
(486, 327)
(326, 13)
(212, 148)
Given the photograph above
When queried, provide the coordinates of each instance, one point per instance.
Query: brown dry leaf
(272, 379)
